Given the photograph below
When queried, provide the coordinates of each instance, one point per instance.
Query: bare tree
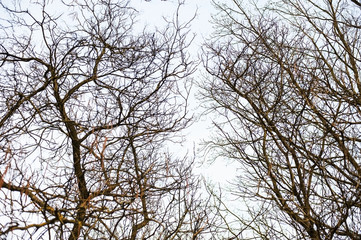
(87, 106)
(285, 77)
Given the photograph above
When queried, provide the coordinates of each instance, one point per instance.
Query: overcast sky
(151, 13)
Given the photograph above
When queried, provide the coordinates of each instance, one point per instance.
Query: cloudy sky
(152, 13)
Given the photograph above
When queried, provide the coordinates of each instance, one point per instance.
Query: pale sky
(152, 13)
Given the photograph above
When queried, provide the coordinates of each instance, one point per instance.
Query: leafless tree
(88, 105)
(285, 77)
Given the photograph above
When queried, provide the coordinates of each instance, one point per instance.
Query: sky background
(152, 13)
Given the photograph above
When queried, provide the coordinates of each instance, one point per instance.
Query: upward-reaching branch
(285, 77)
(87, 107)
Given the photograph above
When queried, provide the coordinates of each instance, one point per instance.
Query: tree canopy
(91, 104)
(285, 76)
(87, 107)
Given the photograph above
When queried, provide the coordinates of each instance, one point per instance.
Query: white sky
(152, 13)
